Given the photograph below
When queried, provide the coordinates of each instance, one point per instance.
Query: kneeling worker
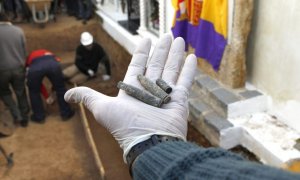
(88, 56)
(42, 63)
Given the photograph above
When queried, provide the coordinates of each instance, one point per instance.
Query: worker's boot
(11, 16)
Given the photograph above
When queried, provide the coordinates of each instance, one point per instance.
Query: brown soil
(109, 151)
(59, 150)
(195, 136)
(55, 150)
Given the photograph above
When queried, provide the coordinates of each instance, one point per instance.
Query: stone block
(199, 72)
(210, 134)
(247, 94)
(297, 145)
(217, 122)
(205, 82)
(193, 94)
(250, 105)
(194, 111)
(225, 97)
(198, 108)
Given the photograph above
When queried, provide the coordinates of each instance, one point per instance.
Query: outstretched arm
(135, 121)
(143, 130)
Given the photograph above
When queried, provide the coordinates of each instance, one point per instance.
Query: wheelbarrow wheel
(42, 25)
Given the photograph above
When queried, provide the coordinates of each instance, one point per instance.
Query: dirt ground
(54, 150)
(57, 149)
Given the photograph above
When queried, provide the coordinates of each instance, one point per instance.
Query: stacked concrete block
(211, 105)
(230, 117)
(227, 102)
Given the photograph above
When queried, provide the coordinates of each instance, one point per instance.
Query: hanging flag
(212, 35)
(203, 25)
(180, 23)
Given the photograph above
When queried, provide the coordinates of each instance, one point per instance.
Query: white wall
(169, 15)
(273, 56)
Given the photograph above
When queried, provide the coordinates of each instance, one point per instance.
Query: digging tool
(8, 157)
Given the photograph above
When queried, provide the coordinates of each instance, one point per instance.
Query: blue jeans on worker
(16, 79)
(72, 7)
(16, 6)
(46, 66)
(85, 9)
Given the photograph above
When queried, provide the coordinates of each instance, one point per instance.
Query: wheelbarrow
(39, 8)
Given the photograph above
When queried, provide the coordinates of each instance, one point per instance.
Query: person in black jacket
(88, 56)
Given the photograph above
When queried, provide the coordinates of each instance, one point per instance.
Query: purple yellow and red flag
(203, 25)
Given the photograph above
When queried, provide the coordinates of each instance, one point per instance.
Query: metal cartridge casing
(163, 85)
(141, 95)
(153, 88)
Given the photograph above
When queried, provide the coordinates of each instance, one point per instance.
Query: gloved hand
(105, 77)
(131, 121)
(50, 100)
(91, 73)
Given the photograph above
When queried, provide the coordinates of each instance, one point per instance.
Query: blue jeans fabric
(46, 66)
(16, 79)
(85, 9)
(9, 5)
(72, 7)
(14, 5)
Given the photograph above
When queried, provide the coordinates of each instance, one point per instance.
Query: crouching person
(88, 56)
(42, 63)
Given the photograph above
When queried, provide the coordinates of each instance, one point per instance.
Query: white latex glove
(26, 71)
(105, 77)
(50, 100)
(91, 73)
(131, 121)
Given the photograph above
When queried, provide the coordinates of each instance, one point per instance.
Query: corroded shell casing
(153, 88)
(163, 85)
(141, 95)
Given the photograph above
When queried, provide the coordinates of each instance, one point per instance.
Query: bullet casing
(163, 85)
(153, 88)
(141, 95)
